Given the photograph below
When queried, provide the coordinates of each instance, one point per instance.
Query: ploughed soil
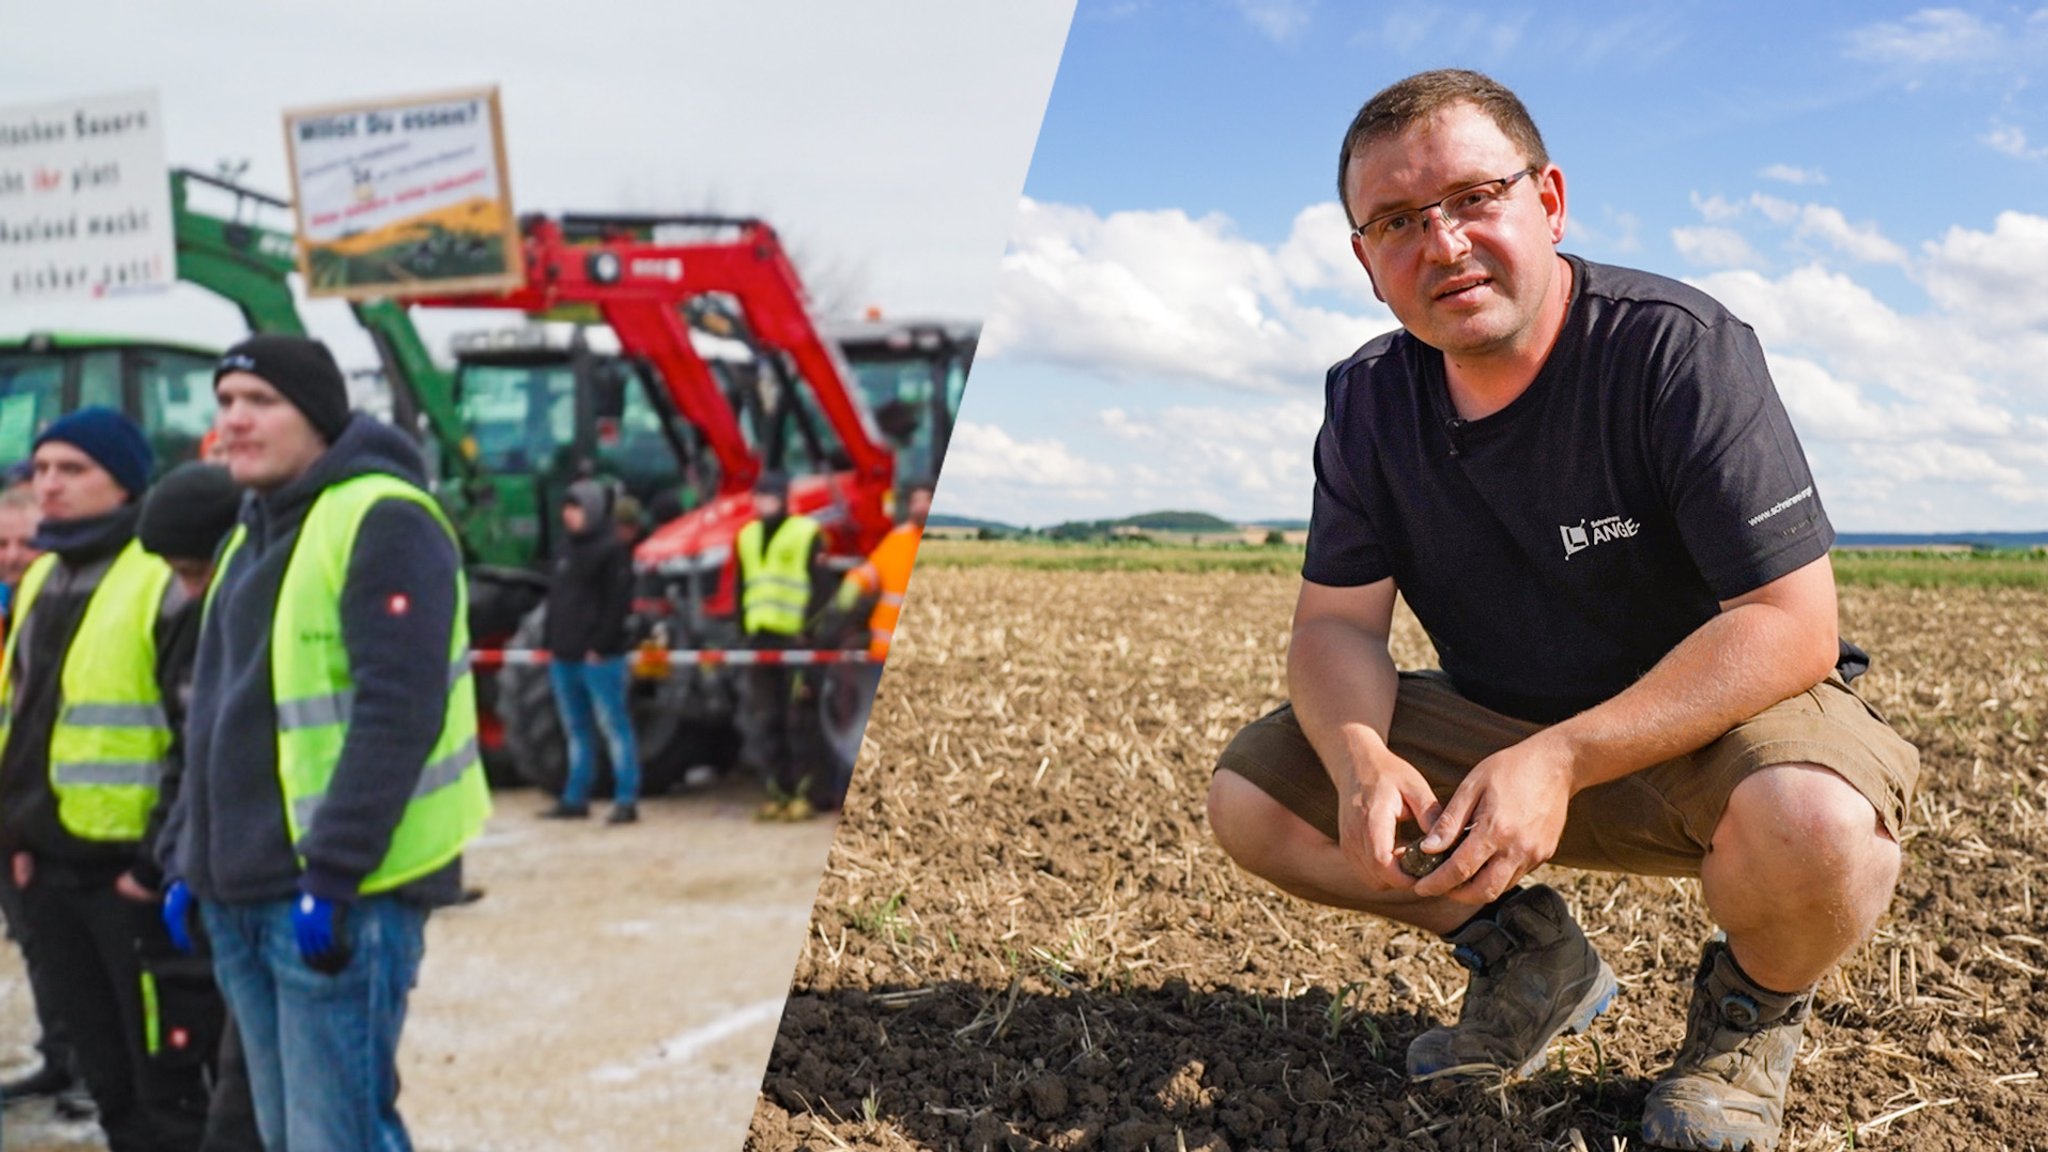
(1027, 939)
(616, 988)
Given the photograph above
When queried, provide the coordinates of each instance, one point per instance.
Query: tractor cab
(543, 411)
(912, 374)
(166, 386)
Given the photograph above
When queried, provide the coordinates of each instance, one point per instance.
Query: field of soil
(616, 988)
(1026, 938)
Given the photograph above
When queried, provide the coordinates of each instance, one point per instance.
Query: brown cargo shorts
(1656, 822)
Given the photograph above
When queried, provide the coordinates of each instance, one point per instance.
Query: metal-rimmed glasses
(1468, 205)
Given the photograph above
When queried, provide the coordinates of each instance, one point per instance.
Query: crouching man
(1582, 481)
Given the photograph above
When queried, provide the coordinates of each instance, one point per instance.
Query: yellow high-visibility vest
(310, 680)
(111, 737)
(775, 588)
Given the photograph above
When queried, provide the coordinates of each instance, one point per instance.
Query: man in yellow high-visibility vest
(336, 621)
(782, 585)
(84, 739)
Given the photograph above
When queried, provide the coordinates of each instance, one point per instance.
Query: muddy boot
(1535, 976)
(1726, 1090)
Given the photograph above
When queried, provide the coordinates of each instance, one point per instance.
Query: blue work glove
(322, 930)
(177, 913)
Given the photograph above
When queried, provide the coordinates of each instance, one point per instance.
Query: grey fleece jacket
(226, 832)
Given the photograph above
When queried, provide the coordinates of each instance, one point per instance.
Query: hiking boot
(561, 811)
(623, 814)
(1535, 976)
(1726, 1090)
(74, 1103)
(48, 1080)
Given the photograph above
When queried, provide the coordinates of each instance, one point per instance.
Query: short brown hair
(1423, 95)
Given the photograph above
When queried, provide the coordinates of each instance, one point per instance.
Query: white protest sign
(85, 200)
(403, 196)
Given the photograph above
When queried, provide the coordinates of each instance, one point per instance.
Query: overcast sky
(886, 142)
(1862, 182)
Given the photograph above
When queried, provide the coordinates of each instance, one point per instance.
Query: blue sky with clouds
(1866, 184)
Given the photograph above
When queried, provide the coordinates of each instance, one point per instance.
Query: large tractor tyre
(846, 698)
(499, 599)
(684, 722)
(689, 720)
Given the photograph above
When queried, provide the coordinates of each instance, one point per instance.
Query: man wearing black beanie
(184, 519)
(337, 622)
(84, 737)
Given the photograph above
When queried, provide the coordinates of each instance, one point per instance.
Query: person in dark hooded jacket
(84, 737)
(589, 597)
(332, 776)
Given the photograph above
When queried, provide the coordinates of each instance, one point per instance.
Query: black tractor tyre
(685, 726)
(499, 599)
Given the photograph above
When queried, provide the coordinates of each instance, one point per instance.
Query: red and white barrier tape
(660, 658)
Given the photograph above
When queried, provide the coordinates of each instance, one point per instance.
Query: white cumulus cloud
(1929, 36)
(1277, 20)
(983, 452)
(1792, 174)
(1163, 294)
(1714, 247)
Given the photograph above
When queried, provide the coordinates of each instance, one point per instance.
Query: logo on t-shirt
(1583, 535)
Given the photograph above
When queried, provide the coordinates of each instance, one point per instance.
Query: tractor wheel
(499, 598)
(684, 723)
(846, 697)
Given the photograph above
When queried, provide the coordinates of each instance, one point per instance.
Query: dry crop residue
(1026, 938)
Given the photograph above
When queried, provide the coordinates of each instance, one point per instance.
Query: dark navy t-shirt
(1558, 548)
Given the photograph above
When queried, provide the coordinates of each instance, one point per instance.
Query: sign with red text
(403, 197)
(85, 199)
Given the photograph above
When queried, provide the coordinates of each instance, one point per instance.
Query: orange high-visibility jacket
(886, 574)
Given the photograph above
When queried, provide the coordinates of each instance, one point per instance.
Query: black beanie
(189, 512)
(302, 370)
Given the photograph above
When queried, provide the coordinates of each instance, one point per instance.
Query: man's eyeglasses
(1481, 201)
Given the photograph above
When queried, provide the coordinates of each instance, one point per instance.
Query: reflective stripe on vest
(315, 695)
(111, 735)
(776, 588)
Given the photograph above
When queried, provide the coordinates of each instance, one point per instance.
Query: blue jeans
(583, 692)
(322, 1050)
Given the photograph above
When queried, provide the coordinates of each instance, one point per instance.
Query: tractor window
(899, 394)
(638, 451)
(176, 393)
(521, 415)
(31, 395)
(99, 380)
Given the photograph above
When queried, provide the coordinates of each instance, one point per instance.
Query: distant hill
(996, 526)
(1190, 522)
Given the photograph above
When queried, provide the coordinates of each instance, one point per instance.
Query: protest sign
(403, 197)
(85, 202)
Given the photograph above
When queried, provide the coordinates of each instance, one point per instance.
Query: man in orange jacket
(880, 581)
(874, 592)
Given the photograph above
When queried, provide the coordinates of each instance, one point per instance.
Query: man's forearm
(1732, 667)
(1342, 683)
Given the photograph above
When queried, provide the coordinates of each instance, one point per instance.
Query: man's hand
(24, 868)
(177, 912)
(321, 927)
(129, 888)
(1384, 790)
(1514, 802)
